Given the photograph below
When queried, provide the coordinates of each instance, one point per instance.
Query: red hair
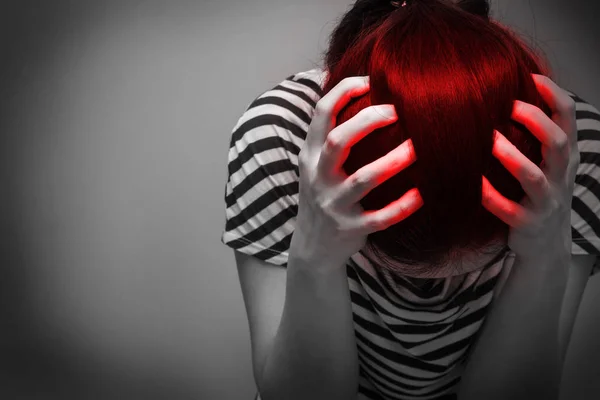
(453, 77)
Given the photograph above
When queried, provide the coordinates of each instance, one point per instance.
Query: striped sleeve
(585, 212)
(261, 193)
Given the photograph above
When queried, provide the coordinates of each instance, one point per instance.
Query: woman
(405, 303)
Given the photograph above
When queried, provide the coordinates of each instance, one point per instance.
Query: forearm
(518, 355)
(313, 355)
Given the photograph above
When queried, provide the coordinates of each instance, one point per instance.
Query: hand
(541, 225)
(331, 224)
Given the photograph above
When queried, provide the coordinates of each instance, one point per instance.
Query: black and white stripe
(412, 339)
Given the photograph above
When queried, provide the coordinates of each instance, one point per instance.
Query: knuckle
(530, 111)
(553, 207)
(333, 143)
(360, 179)
(561, 143)
(376, 223)
(368, 114)
(404, 208)
(535, 177)
(561, 207)
(346, 85)
(546, 81)
(509, 211)
(350, 82)
(565, 102)
(325, 203)
(323, 107)
(568, 104)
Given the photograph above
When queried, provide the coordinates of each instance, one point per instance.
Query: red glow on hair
(453, 78)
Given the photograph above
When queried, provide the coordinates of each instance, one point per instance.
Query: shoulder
(284, 111)
(298, 92)
(588, 118)
(262, 185)
(581, 101)
(586, 196)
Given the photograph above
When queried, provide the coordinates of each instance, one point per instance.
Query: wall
(115, 124)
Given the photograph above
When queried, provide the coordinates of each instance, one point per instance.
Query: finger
(508, 211)
(396, 211)
(561, 104)
(329, 106)
(339, 141)
(555, 144)
(374, 174)
(530, 176)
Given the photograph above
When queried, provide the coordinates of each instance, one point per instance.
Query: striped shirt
(413, 335)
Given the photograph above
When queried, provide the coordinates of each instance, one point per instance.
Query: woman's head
(453, 75)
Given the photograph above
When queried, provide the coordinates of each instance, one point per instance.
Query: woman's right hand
(331, 225)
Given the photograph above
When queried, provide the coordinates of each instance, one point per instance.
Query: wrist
(317, 267)
(540, 279)
(303, 254)
(547, 264)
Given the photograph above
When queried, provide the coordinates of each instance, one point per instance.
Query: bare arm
(518, 355)
(311, 352)
(313, 355)
(581, 371)
(579, 274)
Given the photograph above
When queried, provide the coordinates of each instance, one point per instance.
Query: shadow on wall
(37, 360)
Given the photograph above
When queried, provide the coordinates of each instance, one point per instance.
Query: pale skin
(330, 199)
(335, 227)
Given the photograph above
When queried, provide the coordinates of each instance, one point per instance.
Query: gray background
(116, 120)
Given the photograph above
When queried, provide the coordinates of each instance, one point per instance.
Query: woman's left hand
(540, 226)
